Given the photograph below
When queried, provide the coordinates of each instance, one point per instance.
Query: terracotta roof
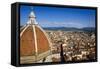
(27, 41)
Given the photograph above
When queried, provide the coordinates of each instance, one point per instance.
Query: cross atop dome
(32, 17)
(32, 13)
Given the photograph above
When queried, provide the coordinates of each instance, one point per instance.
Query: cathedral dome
(34, 42)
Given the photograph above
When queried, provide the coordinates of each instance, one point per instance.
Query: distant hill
(88, 29)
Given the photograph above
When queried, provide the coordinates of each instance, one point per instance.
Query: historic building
(34, 42)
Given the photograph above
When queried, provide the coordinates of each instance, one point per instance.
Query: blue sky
(59, 17)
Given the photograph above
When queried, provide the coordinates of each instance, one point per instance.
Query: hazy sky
(59, 17)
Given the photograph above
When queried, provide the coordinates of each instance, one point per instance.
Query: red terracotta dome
(34, 43)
